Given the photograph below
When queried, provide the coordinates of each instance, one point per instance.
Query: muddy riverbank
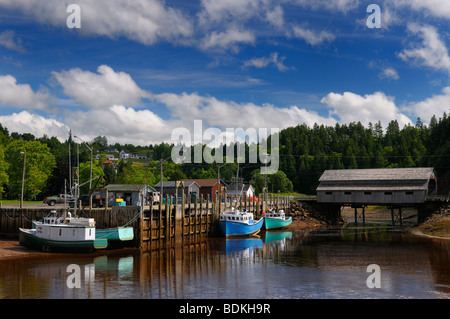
(10, 248)
(435, 226)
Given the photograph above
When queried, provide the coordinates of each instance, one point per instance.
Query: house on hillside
(377, 186)
(208, 187)
(241, 190)
(124, 154)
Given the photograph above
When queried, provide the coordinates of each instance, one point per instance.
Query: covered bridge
(398, 186)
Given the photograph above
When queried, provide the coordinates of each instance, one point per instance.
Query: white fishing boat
(63, 233)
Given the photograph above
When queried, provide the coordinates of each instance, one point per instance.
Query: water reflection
(329, 263)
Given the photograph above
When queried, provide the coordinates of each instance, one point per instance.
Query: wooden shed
(129, 193)
(208, 186)
(377, 186)
(191, 189)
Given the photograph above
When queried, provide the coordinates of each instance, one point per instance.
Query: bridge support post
(364, 214)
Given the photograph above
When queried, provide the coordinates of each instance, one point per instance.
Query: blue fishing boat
(236, 223)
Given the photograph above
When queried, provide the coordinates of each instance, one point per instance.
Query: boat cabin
(274, 214)
(236, 215)
(52, 218)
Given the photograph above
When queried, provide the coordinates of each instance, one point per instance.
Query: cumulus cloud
(351, 107)
(311, 36)
(432, 52)
(121, 124)
(102, 89)
(265, 61)
(435, 105)
(26, 122)
(389, 73)
(229, 114)
(21, 95)
(143, 21)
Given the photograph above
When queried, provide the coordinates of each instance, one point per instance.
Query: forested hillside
(305, 152)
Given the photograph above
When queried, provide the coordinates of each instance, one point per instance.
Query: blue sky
(137, 70)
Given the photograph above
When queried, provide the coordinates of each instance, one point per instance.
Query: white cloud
(26, 122)
(265, 61)
(146, 22)
(9, 40)
(275, 16)
(432, 52)
(229, 114)
(121, 124)
(215, 12)
(21, 95)
(343, 6)
(312, 37)
(228, 39)
(437, 8)
(389, 73)
(351, 107)
(435, 105)
(102, 89)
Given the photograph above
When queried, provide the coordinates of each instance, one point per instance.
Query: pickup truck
(97, 201)
(57, 199)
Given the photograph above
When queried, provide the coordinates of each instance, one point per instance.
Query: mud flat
(12, 249)
(435, 226)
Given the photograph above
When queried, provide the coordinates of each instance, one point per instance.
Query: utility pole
(23, 176)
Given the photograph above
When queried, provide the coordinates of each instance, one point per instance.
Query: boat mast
(65, 197)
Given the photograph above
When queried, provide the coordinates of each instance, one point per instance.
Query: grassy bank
(17, 202)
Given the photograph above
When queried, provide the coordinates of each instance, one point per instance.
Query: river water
(326, 263)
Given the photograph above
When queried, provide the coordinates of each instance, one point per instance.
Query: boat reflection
(277, 236)
(244, 244)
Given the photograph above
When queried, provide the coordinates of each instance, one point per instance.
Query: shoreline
(10, 248)
(437, 226)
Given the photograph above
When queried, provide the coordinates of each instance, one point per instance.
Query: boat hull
(28, 238)
(233, 228)
(115, 234)
(273, 223)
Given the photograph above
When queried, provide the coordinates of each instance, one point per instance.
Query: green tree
(4, 178)
(85, 172)
(279, 182)
(39, 165)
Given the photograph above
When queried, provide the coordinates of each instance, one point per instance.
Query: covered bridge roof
(373, 179)
(378, 174)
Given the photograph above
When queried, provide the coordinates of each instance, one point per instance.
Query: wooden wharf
(167, 223)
